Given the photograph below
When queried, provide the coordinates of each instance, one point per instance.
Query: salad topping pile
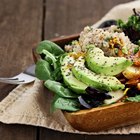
(102, 67)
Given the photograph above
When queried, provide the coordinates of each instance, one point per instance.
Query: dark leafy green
(132, 27)
(50, 47)
(133, 99)
(57, 75)
(50, 58)
(51, 54)
(59, 89)
(43, 70)
(65, 104)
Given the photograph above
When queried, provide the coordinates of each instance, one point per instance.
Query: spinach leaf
(53, 65)
(133, 99)
(43, 70)
(50, 47)
(59, 89)
(50, 58)
(65, 104)
(57, 75)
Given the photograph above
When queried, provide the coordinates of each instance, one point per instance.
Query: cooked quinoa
(112, 41)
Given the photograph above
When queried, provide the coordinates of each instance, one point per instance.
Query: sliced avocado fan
(69, 79)
(97, 62)
(83, 74)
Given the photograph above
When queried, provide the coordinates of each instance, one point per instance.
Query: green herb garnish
(133, 99)
(132, 27)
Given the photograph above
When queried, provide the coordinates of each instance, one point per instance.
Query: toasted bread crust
(103, 118)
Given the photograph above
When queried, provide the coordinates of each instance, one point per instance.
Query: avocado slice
(69, 79)
(98, 63)
(108, 83)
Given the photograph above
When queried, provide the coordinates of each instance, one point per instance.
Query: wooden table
(24, 23)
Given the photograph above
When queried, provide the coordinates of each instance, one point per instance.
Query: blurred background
(65, 17)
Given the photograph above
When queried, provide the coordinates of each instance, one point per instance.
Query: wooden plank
(46, 134)
(113, 137)
(20, 31)
(68, 17)
(17, 132)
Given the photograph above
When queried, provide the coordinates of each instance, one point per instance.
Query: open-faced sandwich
(96, 78)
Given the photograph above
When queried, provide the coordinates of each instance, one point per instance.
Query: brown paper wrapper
(30, 103)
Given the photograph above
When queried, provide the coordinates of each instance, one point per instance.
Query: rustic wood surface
(20, 31)
(23, 23)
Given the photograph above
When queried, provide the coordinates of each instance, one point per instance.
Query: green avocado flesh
(98, 63)
(97, 81)
(69, 79)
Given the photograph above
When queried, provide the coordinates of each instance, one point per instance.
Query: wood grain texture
(20, 28)
(65, 17)
(112, 137)
(20, 31)
(17, 132)
(46, 134)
